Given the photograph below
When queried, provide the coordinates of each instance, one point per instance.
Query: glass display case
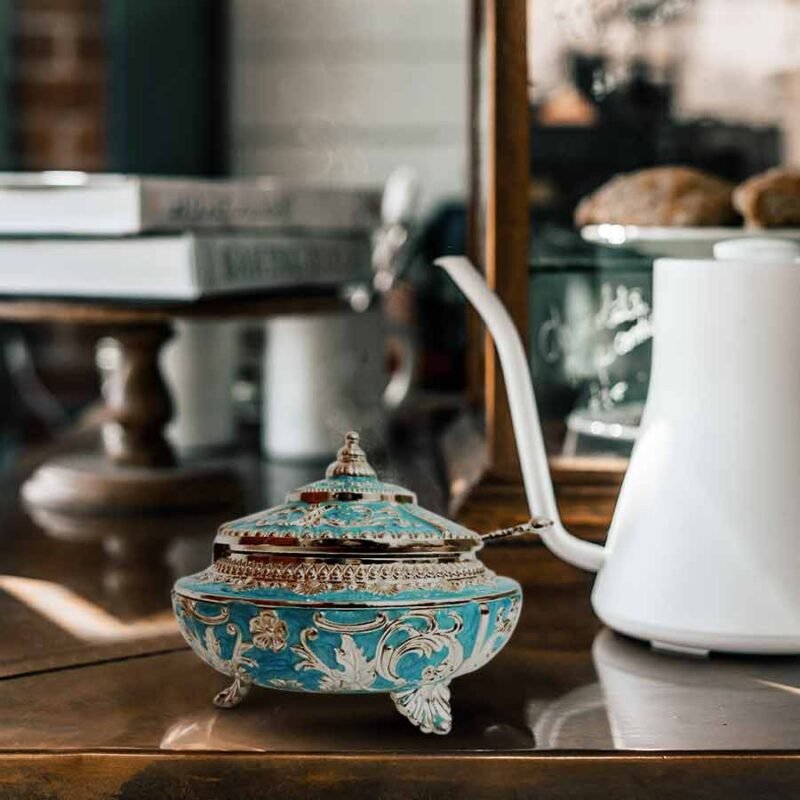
(590, 340)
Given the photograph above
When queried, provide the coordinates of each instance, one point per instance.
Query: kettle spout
(524, 415)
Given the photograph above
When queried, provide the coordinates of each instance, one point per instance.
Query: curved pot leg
(233, 694)
(427, 707)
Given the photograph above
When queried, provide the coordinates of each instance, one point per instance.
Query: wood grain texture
(164, 701)
(507, 211)
(148, 775)
(132, 718)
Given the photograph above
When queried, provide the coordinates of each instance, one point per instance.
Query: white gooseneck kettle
(703, 552)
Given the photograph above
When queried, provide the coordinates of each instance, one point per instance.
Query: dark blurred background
(341, 92)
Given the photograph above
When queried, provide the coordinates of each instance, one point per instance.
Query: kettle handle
(524, 415)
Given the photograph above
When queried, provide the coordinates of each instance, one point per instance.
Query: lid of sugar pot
(350, 511)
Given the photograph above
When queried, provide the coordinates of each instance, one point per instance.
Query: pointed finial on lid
(350, 460)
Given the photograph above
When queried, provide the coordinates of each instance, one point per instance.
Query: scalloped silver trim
(316, 577)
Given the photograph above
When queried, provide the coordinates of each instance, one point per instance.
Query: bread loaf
(669, 196)
(770, 199)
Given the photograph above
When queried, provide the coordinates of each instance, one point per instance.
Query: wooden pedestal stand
(137, 475)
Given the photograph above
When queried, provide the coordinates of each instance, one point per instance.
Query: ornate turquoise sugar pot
(349, 586)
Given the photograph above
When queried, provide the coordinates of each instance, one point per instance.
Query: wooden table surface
(100, 698)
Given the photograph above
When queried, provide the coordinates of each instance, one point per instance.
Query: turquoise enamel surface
(350, 586)
(320, 648)
(347, 507)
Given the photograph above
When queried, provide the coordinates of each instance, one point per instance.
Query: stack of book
(125, 237)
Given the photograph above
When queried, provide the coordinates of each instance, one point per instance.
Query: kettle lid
(757, 248)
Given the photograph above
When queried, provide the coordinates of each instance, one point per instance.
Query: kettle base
(680, 650)
(698, 642)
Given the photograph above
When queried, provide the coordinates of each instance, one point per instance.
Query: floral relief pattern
(413, 655)
(268, 632)
(415, 633)
(427, 707)
(335, 515)
(348, 587)
(354, 671)
(210, 650)
(390, 521)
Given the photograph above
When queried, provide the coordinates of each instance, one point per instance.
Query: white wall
(342, 91)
